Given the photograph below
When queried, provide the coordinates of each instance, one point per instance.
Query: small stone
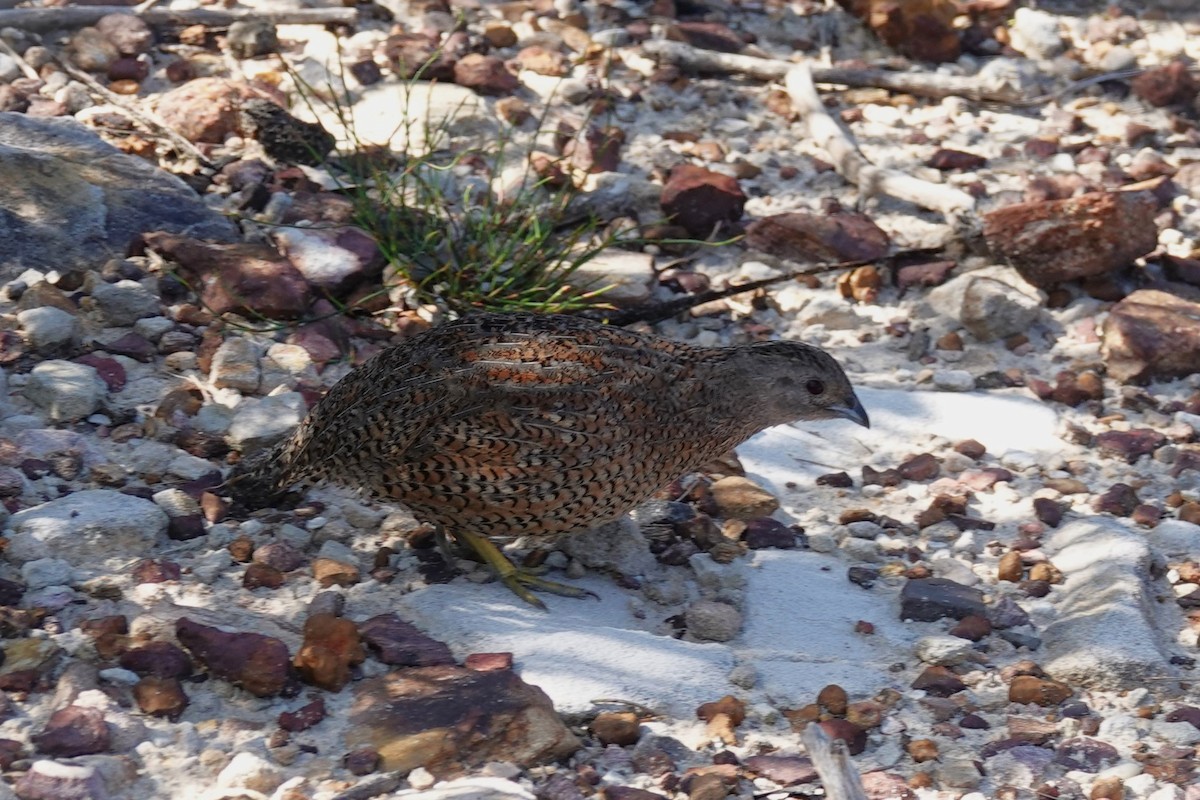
(124, 302)
(767, 533)
(699, 199)
(972, 627)
(833, 698)
(50, 331)
(953, 380)
(74, 731)
(251, 38)
(1039, 691)
(485, 75)
(621, 728)
(66, 391)
(255, 662)
(1130, 445)
(330, 572)
(363, 761)
(923, 467)
(1010, 568)
(930, 599)
(922, 750)
(280, 556)
(1119, 499)
(1166, 86)
(261, 576)
(971, 449)
(330, 647)
(1048, 511)
(713, 621)
(1107, 787)
(486, 662)
(157, 660)
(54, 780)
(235, 365)
(939, 682)
(1085, 754)
(1151, 335)
(398, 643)
(155, 570)
(854, 736)
(742, 498)
(160, 697)
(804, 237)
(782, 769)
(304, 717)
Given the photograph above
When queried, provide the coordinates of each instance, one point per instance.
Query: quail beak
(854, 413)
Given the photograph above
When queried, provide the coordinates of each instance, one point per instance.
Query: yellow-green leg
(519, 580)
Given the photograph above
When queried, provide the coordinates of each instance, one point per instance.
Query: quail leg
(519, 580)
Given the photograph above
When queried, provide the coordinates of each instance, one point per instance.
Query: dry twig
(854, 167)
(66, 17)
(148, 119)
(921, 84)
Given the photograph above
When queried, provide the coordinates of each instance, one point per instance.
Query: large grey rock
(1104, 633)
(69, 200)
(66, 391)
(87, 529)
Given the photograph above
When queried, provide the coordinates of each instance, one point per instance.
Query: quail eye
(815, 387)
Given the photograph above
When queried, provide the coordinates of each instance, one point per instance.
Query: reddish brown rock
(261, 576)
(363, 761)
(237, 277)
(155, 570)
(157, 659)
(205, 109)
(621, 728)
(782, 769)
(304, 717)
(596, 150)
(331, 647)
(160, 697)
(74, 731)
(803, 236)
(1152, 335)
(401, 644)
(279, 555)
(1120, 499)
(939, 682)
(921, 467)
(1038, 691)
(946, 159)
(450, 719)
(330, 572)
(707, 36)
(486, 662)
(922, 29)
(543, 61)
(1060, 240)
(257, 663)
(854, 736)
(484, 74)
(1167, 86)
(698, 199)
(1129, 445)
(417, 55)
(931, 273)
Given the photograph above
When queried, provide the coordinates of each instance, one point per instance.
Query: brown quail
(504, 425)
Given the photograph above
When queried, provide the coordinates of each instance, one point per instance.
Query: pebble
(124, 302)
(953, 380)
(712, 621)
(49, 330)
(66, 391)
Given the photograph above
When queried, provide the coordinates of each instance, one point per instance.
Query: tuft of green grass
(471, 229)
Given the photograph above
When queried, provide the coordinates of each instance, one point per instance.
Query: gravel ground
(991, 593)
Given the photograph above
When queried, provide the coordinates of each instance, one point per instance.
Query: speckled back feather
(517, 424)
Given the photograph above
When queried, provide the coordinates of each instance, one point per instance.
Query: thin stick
(770, 69)
(832, 762)
(65, 17)
(24, 65)
(146, 118)
(854, 167)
